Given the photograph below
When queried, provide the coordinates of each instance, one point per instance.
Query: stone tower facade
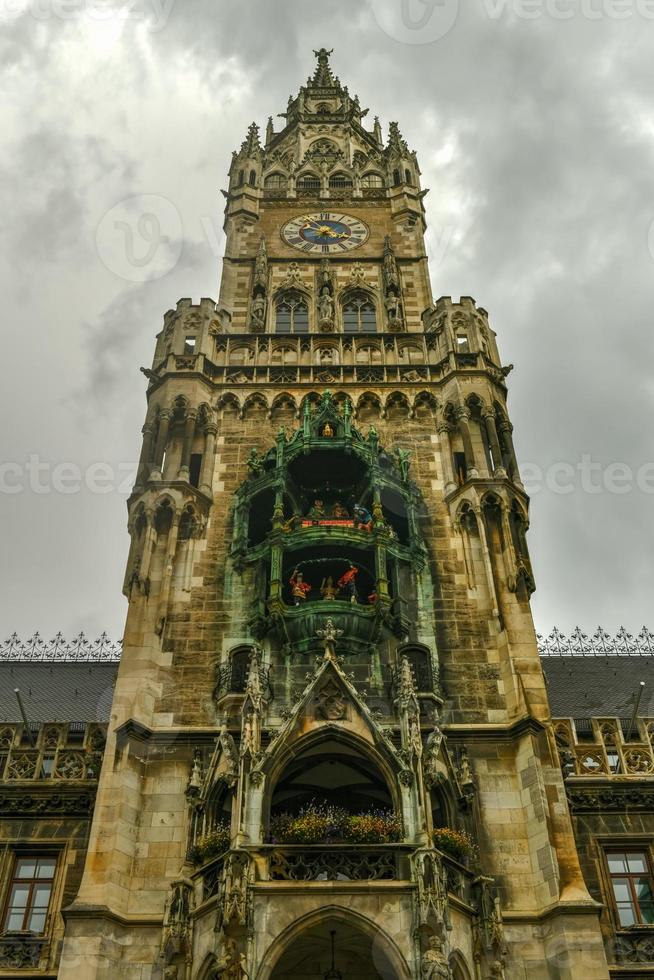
(330, 751)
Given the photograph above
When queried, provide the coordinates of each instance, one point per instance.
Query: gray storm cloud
(535, 137)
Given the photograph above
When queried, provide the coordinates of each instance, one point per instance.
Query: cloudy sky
(534, 127)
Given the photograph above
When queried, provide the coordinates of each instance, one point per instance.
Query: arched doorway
(361, 951)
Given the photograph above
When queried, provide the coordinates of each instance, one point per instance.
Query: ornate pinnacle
(323, 76)
(252, 142)
(329, 634)
(395, 139)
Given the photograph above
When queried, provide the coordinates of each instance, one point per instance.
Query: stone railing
(634, 946)
(618, 747)
(336, 862)
(66, 764)
(21, 952)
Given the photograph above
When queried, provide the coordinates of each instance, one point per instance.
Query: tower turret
(330, 738)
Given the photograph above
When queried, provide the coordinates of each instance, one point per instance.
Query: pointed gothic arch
(369, 407)
(255, 406)
(229, 405)
(359, 311)
(384, 952)
(296, 747)
(292, 306)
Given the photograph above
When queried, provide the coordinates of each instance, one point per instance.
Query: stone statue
(258, 314)
(393, 311)
(232, 965)
(171, 972)
(434, 961)
(326, 308)
(402, 459)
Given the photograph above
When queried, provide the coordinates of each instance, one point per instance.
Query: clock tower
(330, 752)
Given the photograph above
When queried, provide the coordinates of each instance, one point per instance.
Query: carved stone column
(463, 418)
(506, 429)
(493, 439)
(443, 429)
(162, 441)
(206, 475)
(143, 469)
(187, 445)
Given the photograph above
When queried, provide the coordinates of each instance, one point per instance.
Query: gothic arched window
(359, 314)
(252, 178)
(340, 180)
(292, 314)
(397, 178)
(309, 182)
(407, 177)
(276, 181)
(372, 180)
(241, 178)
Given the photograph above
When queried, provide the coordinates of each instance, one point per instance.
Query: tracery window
(292, 314)
(359, 314)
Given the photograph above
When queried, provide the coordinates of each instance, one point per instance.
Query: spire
(251, 144)
(323, 76)
(395, 139)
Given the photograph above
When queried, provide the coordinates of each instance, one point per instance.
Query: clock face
(325, 232)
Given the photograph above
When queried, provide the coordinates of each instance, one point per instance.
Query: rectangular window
(195, 465)
(189, 345)
(631, 881)
(29, 894)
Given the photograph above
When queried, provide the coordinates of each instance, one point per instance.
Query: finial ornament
(329, 634)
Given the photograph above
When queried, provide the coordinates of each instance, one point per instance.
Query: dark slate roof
(584, 687)
(57, 691)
